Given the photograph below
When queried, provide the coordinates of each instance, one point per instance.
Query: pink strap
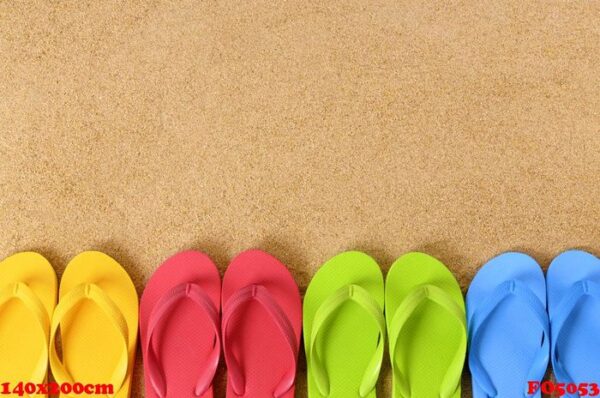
(164, 306)
(260, 294)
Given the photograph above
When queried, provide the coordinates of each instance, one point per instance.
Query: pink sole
(253, 337)
(185, 340)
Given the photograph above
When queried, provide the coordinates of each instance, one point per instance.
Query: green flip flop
(426, 325)
(344, 327)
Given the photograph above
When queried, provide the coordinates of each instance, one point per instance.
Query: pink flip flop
(261, 327)
(180, 327)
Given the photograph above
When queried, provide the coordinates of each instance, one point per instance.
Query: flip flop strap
(24, 293)
(69, 302)
(166, 305)
(405, 310)
(260, 294)
(482, 314)
(559, 318)
(363, 298)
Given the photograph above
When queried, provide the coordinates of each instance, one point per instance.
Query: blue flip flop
(574, 307)
(508, 327)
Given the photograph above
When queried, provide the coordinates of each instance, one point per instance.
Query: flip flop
(180, 327)
(574, 305)
(344, 327)
(261, 327)
(27, 300)
(508, 327)
(97, 313)
(425, 314)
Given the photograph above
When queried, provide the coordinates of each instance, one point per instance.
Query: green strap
(404, 311)
(362, 297)
(27, 296)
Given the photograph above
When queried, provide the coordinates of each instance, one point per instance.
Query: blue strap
(564, 310)
(482, 314)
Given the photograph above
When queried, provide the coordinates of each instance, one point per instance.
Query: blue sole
(511, 337)
(579, 340)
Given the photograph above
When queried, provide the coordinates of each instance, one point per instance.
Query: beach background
(462, 129)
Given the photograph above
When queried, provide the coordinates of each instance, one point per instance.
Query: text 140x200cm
(22, 389)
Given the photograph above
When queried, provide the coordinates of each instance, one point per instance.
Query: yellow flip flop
(97, 313)
(27, 300)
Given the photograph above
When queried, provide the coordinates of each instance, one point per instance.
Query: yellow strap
(27, 296)
(67, 303)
